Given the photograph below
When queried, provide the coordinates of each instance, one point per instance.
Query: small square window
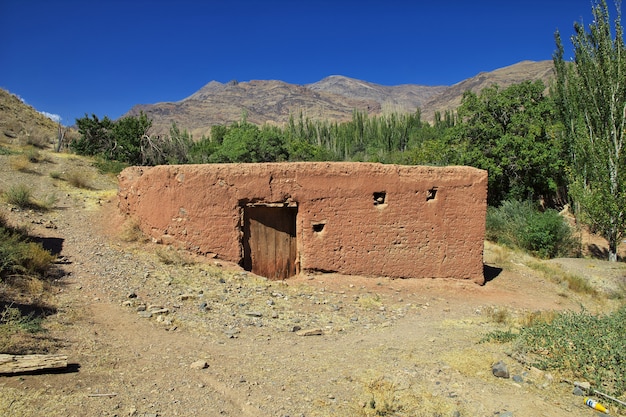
(380, 198)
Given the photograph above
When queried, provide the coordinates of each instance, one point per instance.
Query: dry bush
(383, 397)
(38, 137)
(20, 195)
(131, 232)
(20, 163)
(78, 178)
(35, 259)
(500, 315)
(170, 256)
(33, 155)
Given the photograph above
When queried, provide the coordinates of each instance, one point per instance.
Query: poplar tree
(591, 100)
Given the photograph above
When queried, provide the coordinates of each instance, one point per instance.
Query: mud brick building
(278, 219)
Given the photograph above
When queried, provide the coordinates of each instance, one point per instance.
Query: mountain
(400, 98)
(333, 98)
(450, 98)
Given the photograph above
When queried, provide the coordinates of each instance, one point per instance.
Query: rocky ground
(154, 332)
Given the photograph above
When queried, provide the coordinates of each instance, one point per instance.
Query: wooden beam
(10, 364)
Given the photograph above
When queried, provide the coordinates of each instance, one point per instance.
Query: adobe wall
(406, 235)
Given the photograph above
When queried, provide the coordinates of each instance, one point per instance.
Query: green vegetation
(587, 346)
(591, 101)
(13, 324)
(521, 225)
(20, 256)
(557, 148)
(20, 195)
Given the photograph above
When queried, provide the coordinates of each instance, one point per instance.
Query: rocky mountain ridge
(332, 98)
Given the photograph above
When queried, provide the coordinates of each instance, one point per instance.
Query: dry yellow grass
(20, 163)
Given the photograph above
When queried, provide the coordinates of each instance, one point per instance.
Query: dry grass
(171, 256)
(78, 178)
(371, 301)
(20, 163)
(499, 314)
(384, 397)
(131, 232)
(555, 273)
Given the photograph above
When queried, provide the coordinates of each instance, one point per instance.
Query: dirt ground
(154, 332)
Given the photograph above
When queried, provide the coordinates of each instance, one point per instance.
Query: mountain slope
(333, 98)
(451, 97)
(18, 120)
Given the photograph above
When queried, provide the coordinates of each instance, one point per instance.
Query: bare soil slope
(152, 332)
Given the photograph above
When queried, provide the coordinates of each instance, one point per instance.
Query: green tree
(95, 136)
(128, 133)
(591, 100)
(510, 134)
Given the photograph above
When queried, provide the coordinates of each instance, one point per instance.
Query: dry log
(10, 364)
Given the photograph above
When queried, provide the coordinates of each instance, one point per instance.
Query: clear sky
(77, 57)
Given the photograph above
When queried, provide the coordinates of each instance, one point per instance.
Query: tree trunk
(613, 250)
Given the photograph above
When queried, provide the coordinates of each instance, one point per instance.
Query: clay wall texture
(353, 218)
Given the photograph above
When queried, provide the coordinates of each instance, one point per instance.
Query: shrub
(107, 166)
(78, 178)
(33, 155)
(18, 255)
(520, 225)
(19, 163)
(19, 195)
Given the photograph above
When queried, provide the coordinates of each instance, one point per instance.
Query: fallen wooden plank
(10, 364)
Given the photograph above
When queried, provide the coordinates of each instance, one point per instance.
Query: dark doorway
(269, 241)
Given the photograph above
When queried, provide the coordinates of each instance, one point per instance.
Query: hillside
(333, 98)
(21, 121)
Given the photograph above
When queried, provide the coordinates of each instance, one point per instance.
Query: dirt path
(409, 344)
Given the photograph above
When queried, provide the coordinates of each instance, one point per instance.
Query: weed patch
(78, 179)
(581, 344)
(19, 163)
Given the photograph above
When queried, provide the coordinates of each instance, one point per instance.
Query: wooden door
(269, 244)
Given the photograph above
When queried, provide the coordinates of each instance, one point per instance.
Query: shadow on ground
(490, 272)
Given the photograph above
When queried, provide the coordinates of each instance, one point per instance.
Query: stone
(199, 364)
(518, 378)
(310, 332)
(500, 370)
(583, 385)
(184, 297)
(578, 391)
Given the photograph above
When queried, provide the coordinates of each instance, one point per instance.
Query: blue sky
(70, 58)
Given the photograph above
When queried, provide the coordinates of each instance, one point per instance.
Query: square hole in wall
(380, 198)
(431, 194)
